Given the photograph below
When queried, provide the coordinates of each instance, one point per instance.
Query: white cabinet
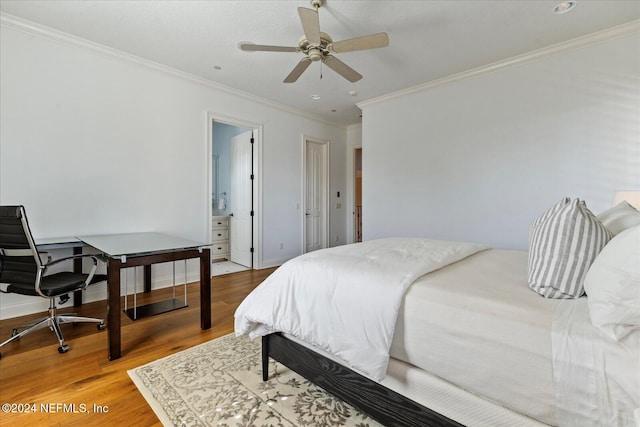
(220, 238)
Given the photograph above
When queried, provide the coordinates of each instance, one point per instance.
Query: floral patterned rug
(219, 383)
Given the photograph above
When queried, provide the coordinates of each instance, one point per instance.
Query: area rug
(219, 383)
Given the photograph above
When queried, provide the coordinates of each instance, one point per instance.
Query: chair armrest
(95, 259)
(91, 273)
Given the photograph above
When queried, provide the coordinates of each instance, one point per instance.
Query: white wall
(477, 159)
(93, 142)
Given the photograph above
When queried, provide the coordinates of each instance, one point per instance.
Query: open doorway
(234, 193)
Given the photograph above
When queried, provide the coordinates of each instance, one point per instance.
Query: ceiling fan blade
(250, 47)
(310, 24)
(372, 41)
(341, 68)
(298, 70)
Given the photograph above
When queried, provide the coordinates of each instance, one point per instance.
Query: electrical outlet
(337, 238)
(281, 246)
(338, 205)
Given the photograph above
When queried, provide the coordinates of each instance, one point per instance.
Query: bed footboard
(382, 404)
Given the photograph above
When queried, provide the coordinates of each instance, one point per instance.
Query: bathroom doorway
(233, 197)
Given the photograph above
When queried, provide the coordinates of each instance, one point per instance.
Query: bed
(465, 340)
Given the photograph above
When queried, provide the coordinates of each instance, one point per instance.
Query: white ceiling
(428, 39)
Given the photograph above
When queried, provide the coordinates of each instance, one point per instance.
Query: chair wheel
(63, 348)
(102, 327)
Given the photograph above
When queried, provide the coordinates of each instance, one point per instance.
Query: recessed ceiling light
(315, 97)
(353, 93)
(563, 7)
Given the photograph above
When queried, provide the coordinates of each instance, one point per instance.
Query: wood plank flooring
(82, 387)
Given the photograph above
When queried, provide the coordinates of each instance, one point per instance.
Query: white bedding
(597, 378)
(443, 397)
(472, 321)
(497, 339)
(345, 300)
(477, 324)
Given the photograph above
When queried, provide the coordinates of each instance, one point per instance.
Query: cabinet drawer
(219, 235)
(220, 223)
(220, 249)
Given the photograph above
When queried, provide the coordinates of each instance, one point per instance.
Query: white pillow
(563, 242)
(620, 217)
(613, 285)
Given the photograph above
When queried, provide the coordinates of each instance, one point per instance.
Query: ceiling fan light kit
(318, 46)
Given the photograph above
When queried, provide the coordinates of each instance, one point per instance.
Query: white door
(315, 195)
(240, 225)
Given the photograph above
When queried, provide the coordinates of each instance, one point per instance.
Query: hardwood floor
(82, 387)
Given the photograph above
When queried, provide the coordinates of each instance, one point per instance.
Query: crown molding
(48, 33)
(623, 30)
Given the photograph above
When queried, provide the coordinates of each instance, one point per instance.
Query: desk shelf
(154, 308)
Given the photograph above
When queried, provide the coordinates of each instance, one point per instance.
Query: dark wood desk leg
(113, 307)
(147, 278)
(77, 268)
(205, 289)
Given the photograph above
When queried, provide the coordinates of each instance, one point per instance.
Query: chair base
(53, 322)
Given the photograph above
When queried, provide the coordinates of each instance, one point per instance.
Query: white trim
(47, 33)
(257, 162)
(623, 30)
(274, 262)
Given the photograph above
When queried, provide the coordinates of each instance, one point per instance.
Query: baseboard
(275, 262)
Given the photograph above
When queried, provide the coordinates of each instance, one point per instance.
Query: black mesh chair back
(19, 260)
(24, 272)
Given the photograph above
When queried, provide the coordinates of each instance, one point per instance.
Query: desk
(143, 249)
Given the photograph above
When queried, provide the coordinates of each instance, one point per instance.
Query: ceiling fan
(318, 46)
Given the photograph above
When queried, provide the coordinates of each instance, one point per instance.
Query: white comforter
(345, 300)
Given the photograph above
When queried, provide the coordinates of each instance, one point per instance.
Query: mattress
(477, 325)
(441, 396)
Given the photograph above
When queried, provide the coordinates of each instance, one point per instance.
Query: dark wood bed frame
(380, 403)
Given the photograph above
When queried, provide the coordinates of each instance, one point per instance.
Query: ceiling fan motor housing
(315, 53)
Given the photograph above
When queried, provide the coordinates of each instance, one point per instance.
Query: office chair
(25, 273)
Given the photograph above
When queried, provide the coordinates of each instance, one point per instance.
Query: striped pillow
(563, 243)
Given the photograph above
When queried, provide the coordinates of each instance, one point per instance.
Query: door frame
(351, 184)
(325, 188)
(257, 181)
(354, 201)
